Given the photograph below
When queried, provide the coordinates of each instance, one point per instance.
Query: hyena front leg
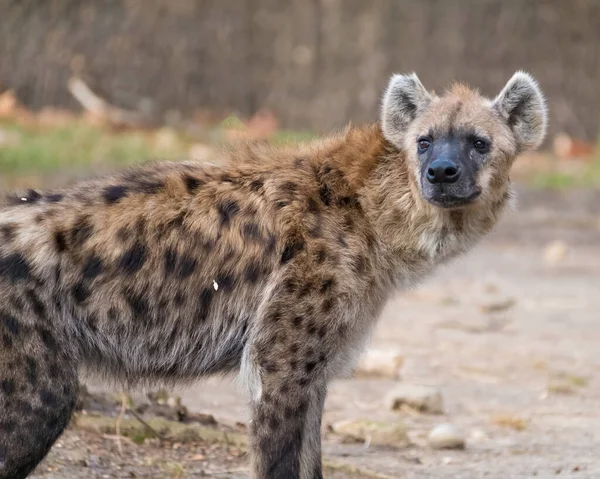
(286, 432)
(38, 388)
(291, 353)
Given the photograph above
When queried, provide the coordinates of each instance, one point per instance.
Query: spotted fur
(276, 264)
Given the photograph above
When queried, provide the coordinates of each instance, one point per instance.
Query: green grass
(78, 145)
(586, 177)
(37, 150)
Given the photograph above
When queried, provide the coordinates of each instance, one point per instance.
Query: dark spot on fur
(327, 305)
(289, 187)
(325, 195)
(7, 341)
(7, 386)
(312, 206)
(36, 304)
(112, 313)
(321, 255)
(187, 266)
(274, 422)
(32, 196)
(311, 328)
(342, 241)
(179, 298)
(303, 382)
(10, 323)
(80, 292)
(133, 259)
(192, 183)
(122, 233)
(292, 247)
(227, 210)
(92, 267)
(225, 282)
(48, 399)
(310, 366)
(115, 193)
(54, 371)
(251, 232)
(81, 231)
(170, 261)
(348, 201)
(47, 338)
(14, 266)
(54, 197)
(138, 304)
(297, 321)
(92, 321)
(327, 285)
(270, 367)
(204, 302)
(256, 185)
(253, 271)
(31, 370)
(271, 244)
(8, 232)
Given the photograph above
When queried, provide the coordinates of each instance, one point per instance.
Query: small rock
(555, 252)
(498, 306)
(427, 399)
(380, 363)
(376, 433)
(446, 436)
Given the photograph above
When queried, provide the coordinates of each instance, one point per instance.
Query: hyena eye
(423, 144)
(480, 145)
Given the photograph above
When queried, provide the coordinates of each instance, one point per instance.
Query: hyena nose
(443, 171)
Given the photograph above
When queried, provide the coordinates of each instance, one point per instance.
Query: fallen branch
(101, 109)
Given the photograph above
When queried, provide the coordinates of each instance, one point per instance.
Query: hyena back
(275, 263)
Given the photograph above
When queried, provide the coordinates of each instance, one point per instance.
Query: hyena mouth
(445, 198)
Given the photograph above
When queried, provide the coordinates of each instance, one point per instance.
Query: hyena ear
(404, 99)
(522, 104)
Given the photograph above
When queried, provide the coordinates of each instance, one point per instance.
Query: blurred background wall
(316, 63)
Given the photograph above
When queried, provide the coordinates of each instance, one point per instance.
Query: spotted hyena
(275, 264)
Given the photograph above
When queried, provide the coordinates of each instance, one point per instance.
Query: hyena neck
(414, 236)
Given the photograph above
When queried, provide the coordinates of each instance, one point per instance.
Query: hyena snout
(448, 172)
(443, 171)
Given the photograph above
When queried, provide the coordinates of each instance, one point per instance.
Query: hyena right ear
(523, 106)
(404, 99)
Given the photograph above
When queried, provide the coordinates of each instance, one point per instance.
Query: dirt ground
(511, 336)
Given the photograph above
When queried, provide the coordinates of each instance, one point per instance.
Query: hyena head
(460, 146)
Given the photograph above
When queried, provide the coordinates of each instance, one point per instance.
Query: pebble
(427, 399)
(380, 363)
(446, 436)
(555, 252)
(377, 433)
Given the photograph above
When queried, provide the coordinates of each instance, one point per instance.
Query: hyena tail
(38, 387)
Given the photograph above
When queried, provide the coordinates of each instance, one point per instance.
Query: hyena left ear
(404, 99)
(522, 104)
